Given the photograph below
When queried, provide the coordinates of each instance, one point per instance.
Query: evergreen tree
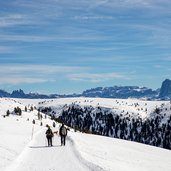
(33, 121)
(7, 113)
(25, 109)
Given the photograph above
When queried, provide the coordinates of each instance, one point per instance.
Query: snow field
(83, 152)
(134, 107)
(37, 156)
(120, 155)
(16, 131)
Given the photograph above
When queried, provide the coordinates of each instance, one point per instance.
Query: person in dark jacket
(49, 136)
(63, 134)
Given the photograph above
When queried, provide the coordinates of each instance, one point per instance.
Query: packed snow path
(39, 157)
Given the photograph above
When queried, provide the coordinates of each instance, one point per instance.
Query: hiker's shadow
(44, 146)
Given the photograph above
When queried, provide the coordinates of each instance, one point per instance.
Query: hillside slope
(83, 151)
(148, 122)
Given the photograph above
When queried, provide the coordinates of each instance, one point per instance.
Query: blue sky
(54, 46)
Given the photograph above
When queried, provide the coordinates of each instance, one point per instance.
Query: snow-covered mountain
(105, 92)
(165, 91)
(32, 95)
(23, 145)
(125, 92)
(148, 122)
(122, 92)
(3, 93)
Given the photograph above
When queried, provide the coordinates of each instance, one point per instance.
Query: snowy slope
(88, 152)
(45, 158)
(116, 105)
(120, 155)
(9, 104)
(15, 131)
(83, 151)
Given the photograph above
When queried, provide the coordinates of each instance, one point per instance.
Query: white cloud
(22, 80)
(101, 77)
(151, 34)
(151, 4)
(95, 17)
(26, 38)
(158, 66)
(29, 74)
(37, 69)
(13, 20)
(73, 37)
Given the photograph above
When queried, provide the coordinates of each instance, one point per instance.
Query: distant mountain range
(165, 91)
(123, 92)
(20, 94)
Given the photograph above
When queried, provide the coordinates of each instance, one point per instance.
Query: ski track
(89, 165)
(38, 157)
(8, 150)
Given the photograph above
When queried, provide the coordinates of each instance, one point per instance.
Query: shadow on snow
(45, 146)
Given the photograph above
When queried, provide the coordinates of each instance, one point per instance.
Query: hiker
(49, 135)
(63, 134)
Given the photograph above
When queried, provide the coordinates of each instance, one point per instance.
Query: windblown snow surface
(23, 146)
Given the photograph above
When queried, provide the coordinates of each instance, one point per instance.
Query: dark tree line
(17, 111)
(153, 130)
(46, 110)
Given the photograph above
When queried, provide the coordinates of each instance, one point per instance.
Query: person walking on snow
(49, 135)
(63, 134)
